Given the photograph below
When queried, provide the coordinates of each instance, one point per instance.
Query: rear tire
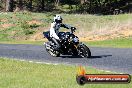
(84, 51)
(54, 53)
(51, 51)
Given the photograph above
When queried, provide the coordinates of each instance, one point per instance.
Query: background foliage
(68, 6)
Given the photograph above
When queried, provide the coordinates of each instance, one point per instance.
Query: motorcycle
(69, 45)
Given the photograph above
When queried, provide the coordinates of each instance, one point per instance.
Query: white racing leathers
(54, 29)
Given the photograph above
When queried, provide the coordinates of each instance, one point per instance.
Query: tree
(57, 2)
(42, 5)
(20, 4)
(9, 5)
(76, 6)
(30, 5)
(83, 1)
(1, 3)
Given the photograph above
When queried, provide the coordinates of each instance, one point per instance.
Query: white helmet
(58, 19)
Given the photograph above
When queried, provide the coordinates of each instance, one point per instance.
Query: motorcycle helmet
(58, 19)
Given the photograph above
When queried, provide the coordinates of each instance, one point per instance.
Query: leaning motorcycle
(69, 43)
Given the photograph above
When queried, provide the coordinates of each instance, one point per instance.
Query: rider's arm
(66, 26)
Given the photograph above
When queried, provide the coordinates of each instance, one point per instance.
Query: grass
(22, 42)
(22, 25)
(18, 74)
(23, 29)
(117, 43)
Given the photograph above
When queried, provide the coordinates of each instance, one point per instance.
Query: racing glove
(73, 29)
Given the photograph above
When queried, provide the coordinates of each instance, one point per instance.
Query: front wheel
(84, 51)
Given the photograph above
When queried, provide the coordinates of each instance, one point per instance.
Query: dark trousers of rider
(56, 42)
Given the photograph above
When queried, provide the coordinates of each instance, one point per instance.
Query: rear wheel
(51, 51)
(84, 51)
(54, 53)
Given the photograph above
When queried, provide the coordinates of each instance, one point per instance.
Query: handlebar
(73, 29)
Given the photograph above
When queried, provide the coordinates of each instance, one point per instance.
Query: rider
(54, 29)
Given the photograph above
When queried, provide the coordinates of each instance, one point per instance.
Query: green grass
(18, 74)
(22, 42)
(20, 28)
(22, 32)
(83, 23)
(118, 43)
(88, 22)
(115, 43)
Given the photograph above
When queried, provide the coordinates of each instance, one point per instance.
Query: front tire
(84, 51)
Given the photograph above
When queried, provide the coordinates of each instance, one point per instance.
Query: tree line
(68, 6)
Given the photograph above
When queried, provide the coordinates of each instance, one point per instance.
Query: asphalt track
(111, 59)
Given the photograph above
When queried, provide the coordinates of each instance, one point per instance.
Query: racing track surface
(113, 59)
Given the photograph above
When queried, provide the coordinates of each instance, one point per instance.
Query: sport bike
(69, 45)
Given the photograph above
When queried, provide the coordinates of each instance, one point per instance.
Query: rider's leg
(56, 43)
